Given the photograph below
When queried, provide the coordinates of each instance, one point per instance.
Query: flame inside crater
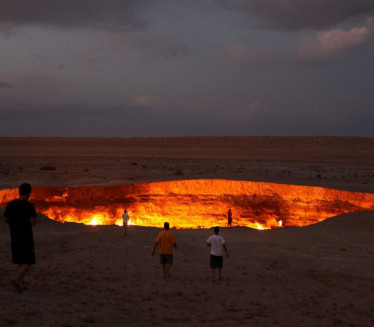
(195, 203)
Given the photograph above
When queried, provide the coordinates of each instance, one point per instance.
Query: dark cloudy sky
(186, 67)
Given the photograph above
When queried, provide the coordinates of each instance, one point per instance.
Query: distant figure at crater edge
(229, 218)
(125, 218)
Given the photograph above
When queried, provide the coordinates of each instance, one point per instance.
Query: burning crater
(195, 203)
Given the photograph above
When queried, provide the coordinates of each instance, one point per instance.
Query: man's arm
(154, 248)
(33, 220)
(32, 214)
(6, 220)
(175, 245)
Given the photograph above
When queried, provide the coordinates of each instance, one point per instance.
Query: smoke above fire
(195, 203)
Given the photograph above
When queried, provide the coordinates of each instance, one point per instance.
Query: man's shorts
(23, 253)
(166, 259)
(216, 261)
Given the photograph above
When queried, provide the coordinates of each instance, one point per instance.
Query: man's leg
(168, 266)
(17, 272)
(213, 266)
(21, 271)
(168, 263)
(213, 274)
(220, 265)
(163, 266)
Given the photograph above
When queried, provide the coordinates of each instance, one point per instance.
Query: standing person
(20, 214)
(125, 218)
(166, 241)
(217, 244)
(229, 218)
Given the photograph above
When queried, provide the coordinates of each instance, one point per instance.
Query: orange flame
(195, 203)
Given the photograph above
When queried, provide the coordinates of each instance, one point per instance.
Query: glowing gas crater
(195, 203)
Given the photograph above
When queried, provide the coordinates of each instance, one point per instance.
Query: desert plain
(319, 275)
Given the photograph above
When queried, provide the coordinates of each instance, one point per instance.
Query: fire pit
(195, 203)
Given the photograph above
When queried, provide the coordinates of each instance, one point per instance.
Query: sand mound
(361, 221)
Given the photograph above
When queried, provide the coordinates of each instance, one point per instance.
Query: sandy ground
(341, 163)
(320, 275)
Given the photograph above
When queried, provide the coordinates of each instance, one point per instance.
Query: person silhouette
(229, 218)
(125, 218)
(217, 244)
(21, 216)
(167, 242)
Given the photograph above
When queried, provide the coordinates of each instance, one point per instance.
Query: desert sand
(319, 275)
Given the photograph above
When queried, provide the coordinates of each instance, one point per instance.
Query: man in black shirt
(20, 214)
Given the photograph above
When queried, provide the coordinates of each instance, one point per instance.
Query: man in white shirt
(125, 217)
(217, 244)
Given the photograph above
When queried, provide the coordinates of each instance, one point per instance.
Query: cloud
(5, 85)
(243, 57)
(124, 121)
(6, 31)
(80, 120)
(324, 46)
(108, 14)
(143, 100)
(336, 42)
(159, 47)
(301, 14)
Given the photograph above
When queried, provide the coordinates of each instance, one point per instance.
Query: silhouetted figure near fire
(125, 218)
(229, 218)
(20, 214)
(167, 242)
(218, 244)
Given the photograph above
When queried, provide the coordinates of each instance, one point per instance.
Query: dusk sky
(129, 68)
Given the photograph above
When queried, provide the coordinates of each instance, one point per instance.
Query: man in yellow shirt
(166, 241)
